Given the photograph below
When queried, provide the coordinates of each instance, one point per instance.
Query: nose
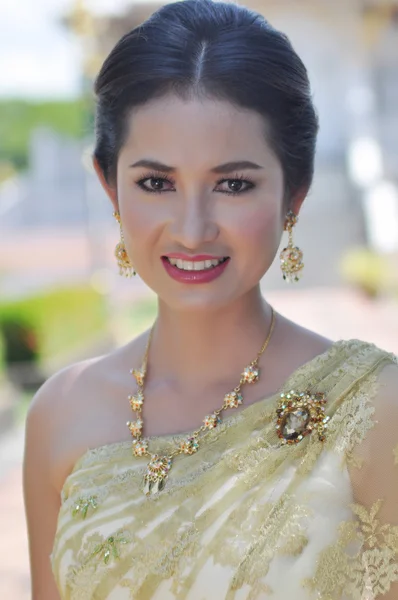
(194, 224)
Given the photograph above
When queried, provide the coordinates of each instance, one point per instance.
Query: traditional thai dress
(274, 505)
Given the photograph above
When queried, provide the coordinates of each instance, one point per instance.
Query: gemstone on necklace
(211, 421)
(250, 374)
(136, 401)
(233, 399)
(135, 427)
(190, 445)
(140, 447)
(139, 376)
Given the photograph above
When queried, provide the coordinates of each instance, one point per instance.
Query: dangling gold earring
(125, 265)
(291, 257)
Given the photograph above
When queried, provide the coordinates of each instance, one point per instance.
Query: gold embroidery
(374, 564)
(259, 588)
(353, 420)
(167, 558)
(83, 583)
(294, 545)
(279, 525)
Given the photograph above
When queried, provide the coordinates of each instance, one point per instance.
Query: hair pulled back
(218, 50)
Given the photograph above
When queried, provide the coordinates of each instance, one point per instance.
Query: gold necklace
(159, 467)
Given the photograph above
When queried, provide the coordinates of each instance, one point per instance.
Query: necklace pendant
(190, 445)
(233, 399)
(250, 374)
(140, 447)
(139, 376)
(156, 474)
(135, 427)
(211, 421)
(136, 401)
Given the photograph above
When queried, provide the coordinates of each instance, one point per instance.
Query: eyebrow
(228, 167)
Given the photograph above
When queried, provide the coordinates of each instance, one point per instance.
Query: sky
(39, 57)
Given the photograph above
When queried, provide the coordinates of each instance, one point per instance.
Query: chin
(204, 300)
(195, 301)
(211, 297)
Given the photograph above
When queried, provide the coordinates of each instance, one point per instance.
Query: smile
(195, 265)
(195, 271)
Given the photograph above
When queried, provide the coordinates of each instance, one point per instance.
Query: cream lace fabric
(246, 518)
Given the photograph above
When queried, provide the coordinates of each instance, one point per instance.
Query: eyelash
(168, 179)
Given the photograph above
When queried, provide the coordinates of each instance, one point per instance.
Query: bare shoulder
(82, 406)
(79, 407)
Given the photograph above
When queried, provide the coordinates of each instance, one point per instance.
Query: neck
(190, 348)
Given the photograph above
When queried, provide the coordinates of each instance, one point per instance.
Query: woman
(261, 460)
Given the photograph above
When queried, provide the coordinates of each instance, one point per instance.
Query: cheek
(143, 232)
(141, 217)
(260, 229)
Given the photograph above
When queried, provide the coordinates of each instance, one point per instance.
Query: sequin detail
(82, 506)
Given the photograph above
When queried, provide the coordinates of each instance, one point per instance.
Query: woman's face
(197, 182)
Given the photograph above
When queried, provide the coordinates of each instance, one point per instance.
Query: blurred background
(62, 298)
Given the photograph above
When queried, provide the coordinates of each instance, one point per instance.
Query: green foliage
(20, 344)
(134, 319)
(51, 323)
(18, 118)
(367, 270)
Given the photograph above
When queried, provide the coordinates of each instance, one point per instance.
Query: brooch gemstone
(298, 414)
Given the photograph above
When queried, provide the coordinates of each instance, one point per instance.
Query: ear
(297, 201)
(110, 189)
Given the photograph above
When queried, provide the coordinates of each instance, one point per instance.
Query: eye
(235, 186)
(156, 184)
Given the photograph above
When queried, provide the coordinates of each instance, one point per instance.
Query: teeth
(197, 265)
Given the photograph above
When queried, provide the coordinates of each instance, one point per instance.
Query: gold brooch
(299, 414)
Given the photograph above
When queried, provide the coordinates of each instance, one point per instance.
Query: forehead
(196, 131)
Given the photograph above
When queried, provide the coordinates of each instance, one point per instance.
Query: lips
(197, 269)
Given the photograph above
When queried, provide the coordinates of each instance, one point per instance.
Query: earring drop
(291, 257)
(124, 263)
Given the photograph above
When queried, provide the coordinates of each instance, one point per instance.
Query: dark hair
(219, 50)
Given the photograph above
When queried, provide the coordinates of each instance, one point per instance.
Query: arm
(42, 501)
(375, 486)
